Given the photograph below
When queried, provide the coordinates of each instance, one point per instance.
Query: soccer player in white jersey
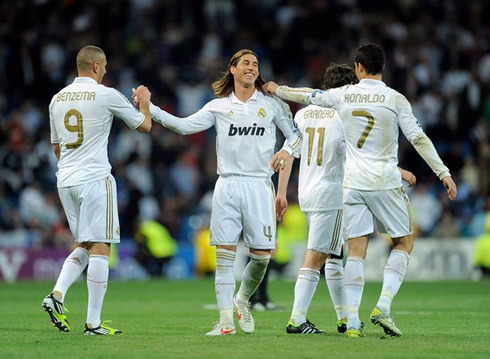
(371, 113)
(320, 196)
(245, 119)
(321, 173)
(81, 117)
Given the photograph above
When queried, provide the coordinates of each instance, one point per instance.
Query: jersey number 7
(367, 129)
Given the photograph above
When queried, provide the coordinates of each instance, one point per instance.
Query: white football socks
(354, 286)
(334, 276)
(303, 293)
(252, 276)
(393, 276)
(224, 284)
(97, 277)
(74, 265)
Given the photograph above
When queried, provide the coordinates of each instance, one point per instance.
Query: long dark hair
(225, 85)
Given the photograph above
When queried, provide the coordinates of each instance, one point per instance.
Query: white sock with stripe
(224, 284)
(97, 278)
(393, 276)
(354, 286)
(303, 293)
(74, 265)
(252, 276)
(334, 276)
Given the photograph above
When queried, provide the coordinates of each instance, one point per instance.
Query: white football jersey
(81, 118)
(321, 169)
(371, 113)
(245, 132)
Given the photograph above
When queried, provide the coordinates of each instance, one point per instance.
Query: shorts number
(368, 128)
(321, 140)
(78, 128)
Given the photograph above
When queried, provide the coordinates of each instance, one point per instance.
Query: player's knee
(260, 260)
(404, 243)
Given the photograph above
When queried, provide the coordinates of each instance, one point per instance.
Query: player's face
(246, 70)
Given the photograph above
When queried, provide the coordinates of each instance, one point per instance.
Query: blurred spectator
(156, 247)
(448, 227)
(482, 250)
(426, 208)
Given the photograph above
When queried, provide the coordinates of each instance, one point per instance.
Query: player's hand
(281, 207)
(451, 188)
(270, 87)
(408, 177)
(141, 94)
(279, 160)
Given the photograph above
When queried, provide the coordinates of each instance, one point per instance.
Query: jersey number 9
(78, 128)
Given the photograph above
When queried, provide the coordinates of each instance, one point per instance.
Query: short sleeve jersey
(81, 118)
(371, 113)
(321, 169)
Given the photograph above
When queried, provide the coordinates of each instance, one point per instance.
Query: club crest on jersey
(262, 113)
(231, 113)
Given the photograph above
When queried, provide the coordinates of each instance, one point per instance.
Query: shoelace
(247, 315)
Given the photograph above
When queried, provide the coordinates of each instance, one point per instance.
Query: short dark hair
(338, 75)
(372, 58)
(87, 56)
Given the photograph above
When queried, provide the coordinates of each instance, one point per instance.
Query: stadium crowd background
(438, 55)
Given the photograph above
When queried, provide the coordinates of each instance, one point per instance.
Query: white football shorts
(326, 232)
(385, 211)
(244, 207)
(91, 210)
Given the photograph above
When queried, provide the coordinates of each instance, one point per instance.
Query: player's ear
(95, 67)
(232, 69)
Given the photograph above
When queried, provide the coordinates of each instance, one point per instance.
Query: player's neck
(378, 77)
(87, 74)
(243, 93)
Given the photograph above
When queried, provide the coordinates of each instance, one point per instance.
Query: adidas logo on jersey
(245, 131)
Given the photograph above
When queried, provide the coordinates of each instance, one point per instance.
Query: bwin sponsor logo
(245, 131)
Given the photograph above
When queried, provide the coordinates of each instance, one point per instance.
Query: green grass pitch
(167, 319)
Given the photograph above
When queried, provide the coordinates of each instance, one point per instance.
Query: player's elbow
(145, 127)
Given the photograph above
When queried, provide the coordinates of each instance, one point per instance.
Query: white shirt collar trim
(235, 99)
(84, 79)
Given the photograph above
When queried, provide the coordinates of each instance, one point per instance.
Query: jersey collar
(84, 80)
(235, 99)
(371, 82)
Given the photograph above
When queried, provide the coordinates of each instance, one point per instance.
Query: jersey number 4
(367, 129)
(78, 128)
(321, 140)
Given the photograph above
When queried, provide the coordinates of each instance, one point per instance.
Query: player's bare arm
(408, 177)
(56, 150)
(279, 160)
(282, 187)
